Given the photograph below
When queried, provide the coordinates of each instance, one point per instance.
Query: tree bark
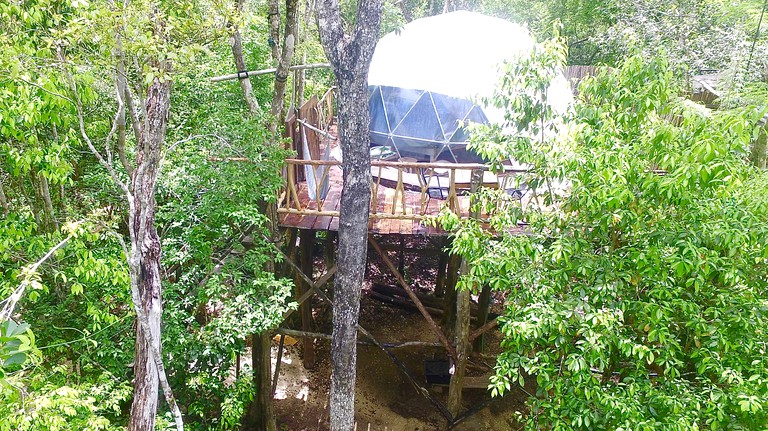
(144, 260)
(45, 192)
(350, 57)
(758, 149)
(273, 10)
(260, 415)
(284, 63)
(407, 15)
(3, 198)
(462, 350)
(237, 53)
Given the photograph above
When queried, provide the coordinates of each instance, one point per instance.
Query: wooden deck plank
(384, 204)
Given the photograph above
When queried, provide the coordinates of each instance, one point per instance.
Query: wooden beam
(484, 305)
(483, 329)
(436, 329)
(245, 74)
(315, 285)
(303, 334)
(306, 243)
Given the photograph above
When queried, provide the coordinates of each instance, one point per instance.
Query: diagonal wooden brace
(435, 328)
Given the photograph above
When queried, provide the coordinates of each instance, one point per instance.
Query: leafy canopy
(638, 300)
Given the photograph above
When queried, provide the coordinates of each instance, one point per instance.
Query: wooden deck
(410, 208)
(404, 194)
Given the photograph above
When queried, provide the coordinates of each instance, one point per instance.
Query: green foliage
(79, 304)
(17, 343)
(638, 301)
(57, 405)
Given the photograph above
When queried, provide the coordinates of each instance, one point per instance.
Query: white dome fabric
(456, 54)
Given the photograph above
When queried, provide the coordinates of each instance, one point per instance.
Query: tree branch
(83, 133)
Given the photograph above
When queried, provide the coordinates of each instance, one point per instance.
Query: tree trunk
(350, 58)
(144, 262)
(50, 213)
(463, 347)
(283, 63)
(758, 150)
(237, 53)
(407, 15)
(3, 198)
(274, 29)
(260, 415)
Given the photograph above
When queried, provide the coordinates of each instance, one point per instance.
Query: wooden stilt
(441, 272)
(484, 306)
(401, 256)
(330, 249)
(307, 239)
(290, 245)
(277, 364)
(448, 322)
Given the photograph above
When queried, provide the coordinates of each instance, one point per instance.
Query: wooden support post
(484, 306)
(441, 273)
(290, 245)
(277, 364)
(449, 300)
(401, 254)
(329, 249)
(461, 336)
(307, 239)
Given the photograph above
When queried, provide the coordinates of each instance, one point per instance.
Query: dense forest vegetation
(640, 302)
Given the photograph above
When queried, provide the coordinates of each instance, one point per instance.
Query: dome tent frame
(422, 124)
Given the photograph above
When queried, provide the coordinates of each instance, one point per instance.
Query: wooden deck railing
(399, 190)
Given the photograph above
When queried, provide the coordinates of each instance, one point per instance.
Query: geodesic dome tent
(425, 78)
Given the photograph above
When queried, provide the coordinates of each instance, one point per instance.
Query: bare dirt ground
(384, 398)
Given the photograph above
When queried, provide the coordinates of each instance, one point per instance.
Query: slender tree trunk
(273, 9)
(3, 198)
(144, 259)
(758, 150)
(463, 347)
(284, 62)
(407, 15)
(350, 58)
(237, 53)
(45, 193)
(260, 415)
